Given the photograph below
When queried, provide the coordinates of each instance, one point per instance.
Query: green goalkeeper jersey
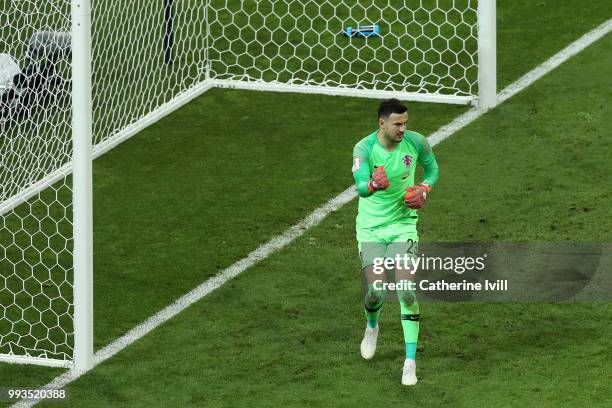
(387, 206)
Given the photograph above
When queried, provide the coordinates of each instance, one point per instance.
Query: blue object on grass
(362, 31)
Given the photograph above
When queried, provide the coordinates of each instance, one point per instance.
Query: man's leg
(374, 295)
(406, 245)
(410, 315)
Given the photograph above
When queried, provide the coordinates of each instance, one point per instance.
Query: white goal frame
(84, 151)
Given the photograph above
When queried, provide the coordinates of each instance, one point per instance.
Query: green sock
(411, 351)
(372, 305)
(410, 321)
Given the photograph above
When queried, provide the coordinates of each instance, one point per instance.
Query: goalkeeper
(384, 165)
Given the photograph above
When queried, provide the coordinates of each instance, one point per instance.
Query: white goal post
(78, 77)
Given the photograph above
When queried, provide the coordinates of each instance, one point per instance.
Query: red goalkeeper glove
(379, 180)
(416, 195)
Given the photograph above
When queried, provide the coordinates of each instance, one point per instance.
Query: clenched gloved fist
(379, 180)
(416, 195)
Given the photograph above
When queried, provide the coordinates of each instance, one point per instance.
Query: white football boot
(368, 344)
(409, 372)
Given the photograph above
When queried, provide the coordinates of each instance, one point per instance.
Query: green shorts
(387, 242)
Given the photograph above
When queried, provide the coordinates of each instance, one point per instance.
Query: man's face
(394, 126)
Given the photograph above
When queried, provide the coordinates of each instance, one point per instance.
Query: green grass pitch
(199, 190)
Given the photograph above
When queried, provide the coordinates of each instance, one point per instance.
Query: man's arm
(366, 182)
(361, 174)
(416, 195)
(427, 159)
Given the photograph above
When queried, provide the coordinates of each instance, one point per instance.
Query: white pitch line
(313, 219)
(556, 60)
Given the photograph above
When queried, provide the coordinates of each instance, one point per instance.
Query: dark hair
(389, 106)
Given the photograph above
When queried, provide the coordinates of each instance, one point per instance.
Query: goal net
(420, 49)
(148, 59)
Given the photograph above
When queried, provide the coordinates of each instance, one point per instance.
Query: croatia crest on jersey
(407, 160)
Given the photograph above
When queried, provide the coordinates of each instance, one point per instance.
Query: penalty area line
(312, 219)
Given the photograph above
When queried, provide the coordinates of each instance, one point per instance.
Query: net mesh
(36, 236)
(423, 46)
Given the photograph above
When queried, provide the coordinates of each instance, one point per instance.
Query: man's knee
(374, 298)
(407, 299)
